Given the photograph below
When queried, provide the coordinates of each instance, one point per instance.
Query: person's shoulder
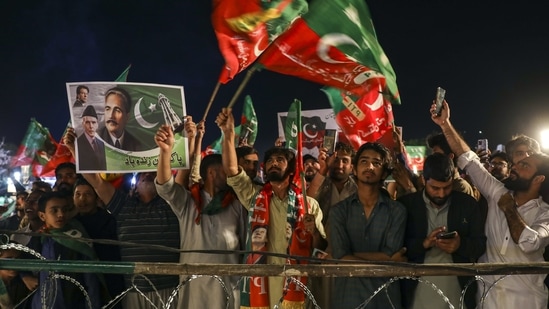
(411, 198)
(393, 204)
(347, 202)
(462, 196)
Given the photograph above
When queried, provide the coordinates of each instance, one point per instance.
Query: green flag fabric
(341, 51)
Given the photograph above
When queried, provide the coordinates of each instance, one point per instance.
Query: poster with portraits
(115, 124)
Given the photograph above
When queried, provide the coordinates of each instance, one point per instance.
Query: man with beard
(517, 224)
(273, 206)
(65, 177)
(205, 212)
(329, 186)
(499, 165)
(311, 167)
(434, 210)
(333, 182)
(367, 226)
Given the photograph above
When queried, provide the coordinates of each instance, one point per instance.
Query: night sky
(493, 61)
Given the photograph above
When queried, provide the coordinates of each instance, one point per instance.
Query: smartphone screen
(482, 144)
(329, 141)
(439, 98)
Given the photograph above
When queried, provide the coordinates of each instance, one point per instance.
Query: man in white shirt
(517, 226)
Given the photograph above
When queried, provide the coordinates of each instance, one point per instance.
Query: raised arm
(182, 176)
(225, 122)
(164, 140)
(457, 144)
(105, 190)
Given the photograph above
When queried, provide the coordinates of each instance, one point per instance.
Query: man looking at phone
(517, 224)
(443, 226)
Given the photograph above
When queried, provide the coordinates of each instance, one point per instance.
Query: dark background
(491, 58)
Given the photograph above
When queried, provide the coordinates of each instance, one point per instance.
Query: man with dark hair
(499, 165)
(310, 167)
(517, 221)
(437, 143)
(99, 224)
(81, 96)
(118, 104)
(367, 226)
(434, 210)
(145, 218)
(248, 158)
(277, 205)
(205, 212)
(333, 182)
(91, 150)
(65, 177)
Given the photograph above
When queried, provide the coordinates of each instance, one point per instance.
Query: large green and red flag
(245, 133)
(244, 28)
(37, 147)
(364, 119)
(334, 44)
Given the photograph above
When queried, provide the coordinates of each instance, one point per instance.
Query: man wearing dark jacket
(432, 212)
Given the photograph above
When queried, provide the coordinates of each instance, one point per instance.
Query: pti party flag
(245, 133)
(61, 155)
(340, 51)
(364, 119)
(245, 28)
(37, 146)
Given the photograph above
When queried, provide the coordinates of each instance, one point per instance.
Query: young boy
(53, 210)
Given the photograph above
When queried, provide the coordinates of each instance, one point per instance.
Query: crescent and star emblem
(378, 103)
(139, 118)
(333, 39)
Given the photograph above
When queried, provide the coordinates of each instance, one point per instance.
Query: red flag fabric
(341, 51)
(362, 120)
(62, 154)
(245, 28)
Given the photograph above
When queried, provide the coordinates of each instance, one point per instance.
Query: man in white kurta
(224, 230)
(517, 226)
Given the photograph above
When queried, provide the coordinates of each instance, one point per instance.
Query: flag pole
(242, 85)
(214, 93)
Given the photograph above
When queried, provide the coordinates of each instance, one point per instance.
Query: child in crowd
(62, 244)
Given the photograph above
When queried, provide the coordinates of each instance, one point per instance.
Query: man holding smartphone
(516, 224)
(443, 226)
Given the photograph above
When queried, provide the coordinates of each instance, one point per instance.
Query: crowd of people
(467, 206)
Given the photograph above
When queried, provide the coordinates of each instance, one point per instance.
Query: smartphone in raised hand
(330, 140)
(439, 98)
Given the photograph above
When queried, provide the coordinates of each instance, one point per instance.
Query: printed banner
(115, 124)
(315, 122)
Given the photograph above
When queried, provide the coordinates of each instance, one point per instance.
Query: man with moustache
(310, 167)
(273, 206)
(117, 110)
(331, 184)
(367, 226)
(517, 225)
(91, 150)
(435, 210)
